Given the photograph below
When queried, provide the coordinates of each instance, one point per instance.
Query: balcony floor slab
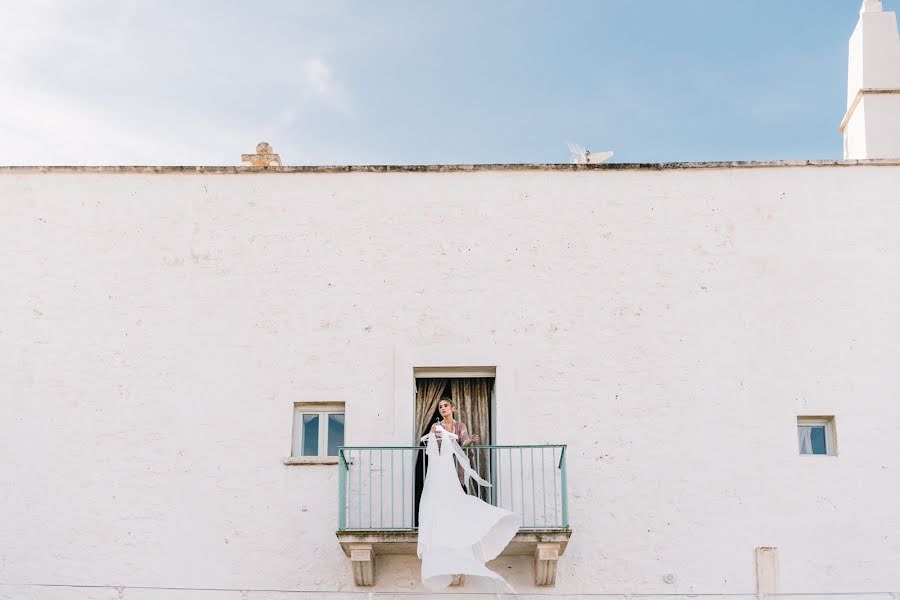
(545, 545)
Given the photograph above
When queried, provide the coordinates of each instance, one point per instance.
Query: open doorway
(471, 393)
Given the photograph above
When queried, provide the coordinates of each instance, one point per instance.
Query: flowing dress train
(458, 533)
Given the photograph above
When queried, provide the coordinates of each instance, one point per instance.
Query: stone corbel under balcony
(546, 546)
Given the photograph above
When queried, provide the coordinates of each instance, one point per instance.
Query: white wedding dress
(458, 533)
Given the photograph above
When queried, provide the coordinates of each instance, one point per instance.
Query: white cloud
(318, 78)
(126, 83)
(42, 128)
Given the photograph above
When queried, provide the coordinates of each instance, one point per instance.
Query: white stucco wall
(156, 329)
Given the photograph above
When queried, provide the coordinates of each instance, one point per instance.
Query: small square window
(318, 429)
(816, 436)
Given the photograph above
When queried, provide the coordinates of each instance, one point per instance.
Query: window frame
(323, 410)
(830, 432)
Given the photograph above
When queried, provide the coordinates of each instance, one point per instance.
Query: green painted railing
(378, 491)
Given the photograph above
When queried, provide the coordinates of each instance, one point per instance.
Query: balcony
(379, 487)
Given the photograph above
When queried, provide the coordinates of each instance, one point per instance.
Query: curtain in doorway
(428, 394)
(472, 400)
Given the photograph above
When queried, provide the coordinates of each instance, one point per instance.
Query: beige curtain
(471, 399)
(428, 394)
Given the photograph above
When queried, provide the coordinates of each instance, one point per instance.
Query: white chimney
(871, 126)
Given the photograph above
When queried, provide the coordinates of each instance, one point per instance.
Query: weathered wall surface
(156, 329)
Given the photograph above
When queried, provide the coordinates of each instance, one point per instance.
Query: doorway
(472, 394)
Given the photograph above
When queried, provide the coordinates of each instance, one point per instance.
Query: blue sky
(363, 82)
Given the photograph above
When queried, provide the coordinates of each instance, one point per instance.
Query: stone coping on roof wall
(236, 170)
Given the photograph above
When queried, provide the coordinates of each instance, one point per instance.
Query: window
(318, 429)
(816, 436)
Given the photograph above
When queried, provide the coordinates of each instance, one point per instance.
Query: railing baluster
(565, 488)
(543, 490)
(381, 490)
(512, 491)
(359, 499)
(555, 508)
(392, 489)
(342, 491)
(495, 474)
(492, 492)
(478, 489)
(533, 492)
(522, 483)
(403, 487)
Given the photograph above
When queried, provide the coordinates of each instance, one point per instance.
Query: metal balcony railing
(378, 486)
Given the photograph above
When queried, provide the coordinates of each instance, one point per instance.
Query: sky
(135, 82)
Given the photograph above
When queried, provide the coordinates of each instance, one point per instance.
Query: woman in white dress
(458, 533)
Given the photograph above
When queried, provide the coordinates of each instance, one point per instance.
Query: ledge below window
(545, 545)
(311, 460)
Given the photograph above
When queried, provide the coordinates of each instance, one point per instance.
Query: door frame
(410, 359)
(459, 373)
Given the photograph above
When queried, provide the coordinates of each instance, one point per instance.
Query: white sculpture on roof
(582, 156)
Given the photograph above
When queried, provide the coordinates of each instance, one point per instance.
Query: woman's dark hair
(447, 398)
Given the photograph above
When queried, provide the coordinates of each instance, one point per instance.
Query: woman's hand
(475, 438)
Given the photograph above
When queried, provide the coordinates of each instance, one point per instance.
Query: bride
(458, 533)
